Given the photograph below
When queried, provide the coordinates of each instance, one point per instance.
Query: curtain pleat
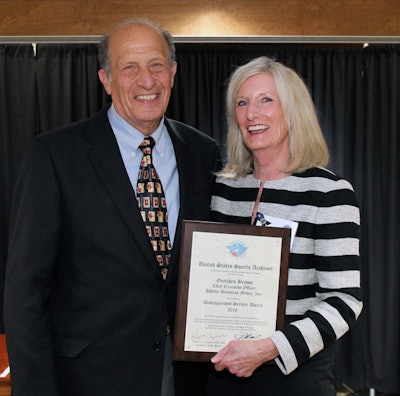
(380, 202)
(356, 92)
(68, 87)
(17, 127)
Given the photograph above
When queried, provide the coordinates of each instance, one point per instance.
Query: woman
(275, 170)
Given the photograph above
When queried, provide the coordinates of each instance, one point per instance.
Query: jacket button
(157, 346)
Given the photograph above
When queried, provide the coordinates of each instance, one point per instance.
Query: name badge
(271, 221)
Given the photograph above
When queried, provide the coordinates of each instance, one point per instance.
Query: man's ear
(173, 73)
(105, 81)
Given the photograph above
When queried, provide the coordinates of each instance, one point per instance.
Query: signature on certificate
(247, 336)
(197, 336)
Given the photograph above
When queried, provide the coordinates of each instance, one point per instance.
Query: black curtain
(18, 109)
(356, 92)
(378, 171)
(68, 88)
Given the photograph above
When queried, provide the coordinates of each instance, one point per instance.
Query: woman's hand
(243, 357)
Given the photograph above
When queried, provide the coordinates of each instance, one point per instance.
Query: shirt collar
(130, 137)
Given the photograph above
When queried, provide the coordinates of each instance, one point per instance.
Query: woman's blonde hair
(308, 147)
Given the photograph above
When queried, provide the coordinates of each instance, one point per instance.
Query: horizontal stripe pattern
(324, 296)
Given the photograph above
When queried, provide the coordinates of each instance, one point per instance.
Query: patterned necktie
(153, 206)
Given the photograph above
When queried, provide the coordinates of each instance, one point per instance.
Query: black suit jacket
(85, 305)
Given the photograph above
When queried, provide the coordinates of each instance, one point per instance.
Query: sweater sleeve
(332, 249)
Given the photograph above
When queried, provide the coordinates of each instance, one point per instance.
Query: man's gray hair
(103, 54)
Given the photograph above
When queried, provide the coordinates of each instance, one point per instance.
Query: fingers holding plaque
(232, 286)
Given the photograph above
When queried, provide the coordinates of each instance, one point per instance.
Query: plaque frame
(191, 226)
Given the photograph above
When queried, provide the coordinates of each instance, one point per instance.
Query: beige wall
(200, 18)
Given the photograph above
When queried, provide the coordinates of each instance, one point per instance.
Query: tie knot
(147, 144)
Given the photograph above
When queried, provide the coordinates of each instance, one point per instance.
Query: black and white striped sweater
(323, 296)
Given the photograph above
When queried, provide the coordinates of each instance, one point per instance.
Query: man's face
(141, 76)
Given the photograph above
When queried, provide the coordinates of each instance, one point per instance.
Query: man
(87, 311)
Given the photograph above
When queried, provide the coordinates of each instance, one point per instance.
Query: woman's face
(260, 115)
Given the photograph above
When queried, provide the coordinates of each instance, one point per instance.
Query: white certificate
(232, 286)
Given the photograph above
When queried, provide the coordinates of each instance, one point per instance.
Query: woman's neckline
(262, 181)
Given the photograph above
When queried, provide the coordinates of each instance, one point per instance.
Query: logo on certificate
(237, 249)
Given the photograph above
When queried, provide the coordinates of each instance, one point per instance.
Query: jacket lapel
(184, 165)
(108, 162)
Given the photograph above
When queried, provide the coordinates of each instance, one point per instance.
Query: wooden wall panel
(202, 18)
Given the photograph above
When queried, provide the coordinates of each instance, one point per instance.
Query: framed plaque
(232, 285)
